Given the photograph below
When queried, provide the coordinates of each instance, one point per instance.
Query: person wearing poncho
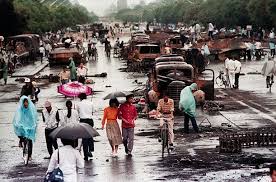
(25, 121)
(187, 104)
(73, 70)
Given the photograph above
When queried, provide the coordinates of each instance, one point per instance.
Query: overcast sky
(99, 6)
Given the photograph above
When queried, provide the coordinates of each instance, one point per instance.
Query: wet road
(243, 109)
(103, 167)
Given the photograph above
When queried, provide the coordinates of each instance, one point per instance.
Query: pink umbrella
(74, 89)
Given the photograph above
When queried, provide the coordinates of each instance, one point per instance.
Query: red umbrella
(74, 89)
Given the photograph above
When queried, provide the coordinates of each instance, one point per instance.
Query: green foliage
(223, 13)
(36, 17)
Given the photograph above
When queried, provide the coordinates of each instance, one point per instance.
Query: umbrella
(117, 94)
(74, 89)
(74, 131)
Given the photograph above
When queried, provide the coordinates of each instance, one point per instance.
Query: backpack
(56, 175)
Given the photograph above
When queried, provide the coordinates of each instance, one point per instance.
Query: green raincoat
(73, 70)
(5, 71)
(187, 102)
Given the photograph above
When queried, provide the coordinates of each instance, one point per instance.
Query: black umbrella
(117, 94)
(74, 131)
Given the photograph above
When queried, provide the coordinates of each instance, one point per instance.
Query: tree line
(32, 16)
(223, 13)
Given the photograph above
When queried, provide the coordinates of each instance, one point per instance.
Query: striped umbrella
(74, 89)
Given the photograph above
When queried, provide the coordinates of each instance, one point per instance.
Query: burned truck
(172, 74)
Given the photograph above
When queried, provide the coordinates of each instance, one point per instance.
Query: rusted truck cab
(147, 54)
(172, 74)
(175, 43)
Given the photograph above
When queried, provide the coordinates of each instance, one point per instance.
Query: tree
(11, 22)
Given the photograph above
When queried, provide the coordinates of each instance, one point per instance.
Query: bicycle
(165, 136)
(27, 145)
(222, 80)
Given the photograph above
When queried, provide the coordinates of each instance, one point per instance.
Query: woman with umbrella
(70, 116)
(112, 127)
(67, 159)
(25, 123)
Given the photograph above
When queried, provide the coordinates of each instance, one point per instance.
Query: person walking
(166, 108)
(69, 116)
(68, 160)
(28, 89)
(230, 67)
(41, 52)
(113, 131)
(5, 71)
(187, 104)
(268, 71)
(238, 66)
(85, 110)
(51, 119)
(211, 30)
(272, 43)
(25, 123)
(73, 71)
(128, 114)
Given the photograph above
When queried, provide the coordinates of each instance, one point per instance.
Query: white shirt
(69, 160)
(85, 109)
(50, 118)
(226, 62)
(238, 66)
(48, 47)
(230, 65)
(64, 120)
(81, 71)
(272, 35)
(42, 50)
(258, 45)
(211, 27)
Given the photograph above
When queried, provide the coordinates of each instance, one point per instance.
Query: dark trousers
(50, 142)
(30, 145)
(237, 77)
(272, 52)
(88, 143)
(128, 139)
(248, 52)
(186, 123)
(82, 79)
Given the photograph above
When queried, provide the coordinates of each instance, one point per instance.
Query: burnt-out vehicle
(148, 53)
(61, 55)
(25, 46)
(172, 74)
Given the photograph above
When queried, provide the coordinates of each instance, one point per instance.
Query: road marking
(260, 113)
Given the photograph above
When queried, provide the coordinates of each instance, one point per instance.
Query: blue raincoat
(187, 102)
(25, 120)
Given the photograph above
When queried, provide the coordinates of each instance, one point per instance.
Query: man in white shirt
(85, 110)
(48, 49)
(51, 119)
(258, 46)
(272, 34)
(226, 70)
(237, 73)
(230, 66)
(211, 29)
(81, 73)
(41, 52)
